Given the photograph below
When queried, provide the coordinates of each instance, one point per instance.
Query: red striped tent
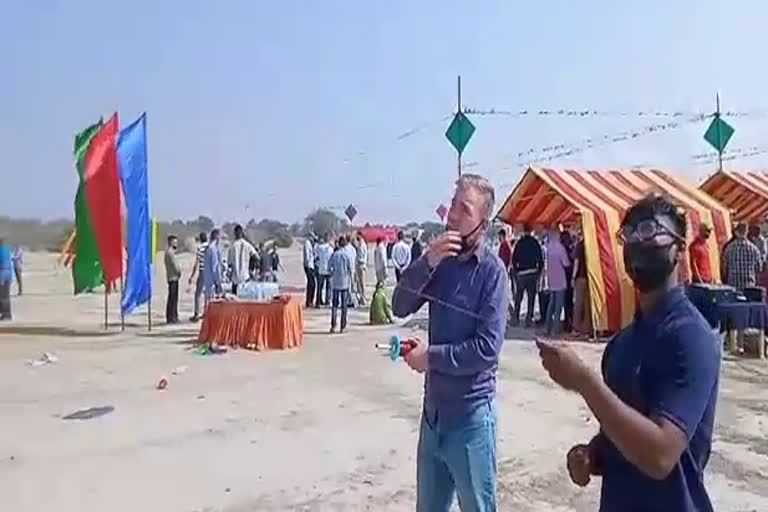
(597, 200)
(744, 193)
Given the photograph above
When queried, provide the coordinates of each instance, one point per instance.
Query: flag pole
(122, 313)
(106, 306)
(458, 110)
(719, 137)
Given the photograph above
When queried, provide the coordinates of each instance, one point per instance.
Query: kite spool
(396, 347)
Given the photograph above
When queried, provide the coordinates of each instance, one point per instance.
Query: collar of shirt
(667, 303)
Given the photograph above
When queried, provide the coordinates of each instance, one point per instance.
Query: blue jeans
(555, 311)
(457, 458)
(339, 300)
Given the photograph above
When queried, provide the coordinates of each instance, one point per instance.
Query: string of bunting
(584, 113)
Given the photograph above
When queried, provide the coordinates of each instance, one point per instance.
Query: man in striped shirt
(197, 269)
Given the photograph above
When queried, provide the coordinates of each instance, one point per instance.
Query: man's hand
(579, 464)
(563, 364)
(417, 358)
(446, 245)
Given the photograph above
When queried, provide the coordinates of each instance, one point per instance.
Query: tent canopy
(596, 201)
(744, 193)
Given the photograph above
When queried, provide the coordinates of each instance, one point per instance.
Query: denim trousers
(457, 458)
(555, 311)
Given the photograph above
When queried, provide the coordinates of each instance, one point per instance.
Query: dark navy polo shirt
(667, 365)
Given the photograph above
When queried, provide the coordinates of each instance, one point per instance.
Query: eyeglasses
(645, 231)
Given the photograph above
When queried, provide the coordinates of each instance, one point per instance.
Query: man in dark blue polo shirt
(656, 399)
(466, 286)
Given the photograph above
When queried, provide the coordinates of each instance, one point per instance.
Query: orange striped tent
(597, 200)
(744, 193)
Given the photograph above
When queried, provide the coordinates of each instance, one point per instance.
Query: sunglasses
(646, 231)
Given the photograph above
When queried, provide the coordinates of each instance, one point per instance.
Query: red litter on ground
(163, 383)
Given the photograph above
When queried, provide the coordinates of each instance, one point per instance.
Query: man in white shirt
(323, 251)
(401, 255)
(351, 254)
(239, 259)
(380, 261)
(361, 265)
(308, 258)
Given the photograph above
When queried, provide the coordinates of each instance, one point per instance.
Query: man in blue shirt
(466, 286)
(656, 399)
(340, 267)
(6, 279)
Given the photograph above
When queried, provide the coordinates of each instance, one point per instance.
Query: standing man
(6, 279)
(197, 269)
(699, 257)
(582, 309)
(341, 280)
(756, 237)
(416, 248)
(380, 261)
(308, 258)
(741, 260)
(212, 268)
(401, 255)
(655, 401)
(239, 259)
(18, 262)
(557, 262)
(467, 289)
(528, 263)
(349, 250)
(323, 253)
(361, 265)
(172, 275)
(505, 255)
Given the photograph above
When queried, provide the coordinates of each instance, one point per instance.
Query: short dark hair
(342, 241)
(171, 238)
(502, 232)
(657, 204)
(203, 237)
(754, 230)
(238, 230)
(400, 235)
(379, 240)
(740, 229)
(214, 234)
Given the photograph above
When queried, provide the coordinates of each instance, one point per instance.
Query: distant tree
(431, 230)
(205, 223)
(323, 222)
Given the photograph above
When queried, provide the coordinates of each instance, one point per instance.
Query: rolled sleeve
(686, 377)
(481, 351)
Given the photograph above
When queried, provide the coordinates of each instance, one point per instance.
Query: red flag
(102, 190)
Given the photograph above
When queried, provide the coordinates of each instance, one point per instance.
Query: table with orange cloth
(256, 325)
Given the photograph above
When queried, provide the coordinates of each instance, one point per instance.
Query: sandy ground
(329, 427)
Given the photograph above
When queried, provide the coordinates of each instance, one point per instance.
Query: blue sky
(268, 109)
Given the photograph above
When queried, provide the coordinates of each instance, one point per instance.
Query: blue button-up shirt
(467, 319)
(6, 265)
(665, 364)
(341, 270)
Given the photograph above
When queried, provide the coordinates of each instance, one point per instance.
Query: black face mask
(465, 243)
(648, 266)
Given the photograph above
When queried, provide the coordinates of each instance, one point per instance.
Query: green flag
(86, 270)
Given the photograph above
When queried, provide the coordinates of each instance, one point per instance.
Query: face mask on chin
(467, 240)
(649, 266)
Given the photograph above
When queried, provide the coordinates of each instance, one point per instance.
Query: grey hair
(483, 186)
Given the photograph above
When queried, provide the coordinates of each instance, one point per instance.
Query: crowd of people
(548, 268)
(335, 268)
(242, 262)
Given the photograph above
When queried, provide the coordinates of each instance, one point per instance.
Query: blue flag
(132, 159)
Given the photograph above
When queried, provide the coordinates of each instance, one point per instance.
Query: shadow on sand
(42, 330)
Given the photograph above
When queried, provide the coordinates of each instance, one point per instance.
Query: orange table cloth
(260, 326)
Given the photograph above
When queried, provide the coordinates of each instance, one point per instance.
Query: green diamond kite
(460, 131)
(718, 134)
